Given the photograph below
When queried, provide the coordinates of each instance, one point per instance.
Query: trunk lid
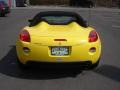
(54, 35)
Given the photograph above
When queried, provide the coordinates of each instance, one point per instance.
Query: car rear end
(70, 45)
(59, 38)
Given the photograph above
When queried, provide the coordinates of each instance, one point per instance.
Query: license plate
(59, 51)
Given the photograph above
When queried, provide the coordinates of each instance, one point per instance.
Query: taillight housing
(93, 36)
(25, 36)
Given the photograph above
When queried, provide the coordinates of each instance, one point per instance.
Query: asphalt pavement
(105, 77)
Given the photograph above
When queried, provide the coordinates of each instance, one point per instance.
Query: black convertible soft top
(38, 18)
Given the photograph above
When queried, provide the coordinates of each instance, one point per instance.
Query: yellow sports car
(59, 37)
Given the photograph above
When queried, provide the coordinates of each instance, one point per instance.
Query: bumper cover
(78, 65)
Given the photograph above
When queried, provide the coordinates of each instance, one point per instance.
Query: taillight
(93, 36)
(25, 36)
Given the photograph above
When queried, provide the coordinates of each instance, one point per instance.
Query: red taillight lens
(25, 36)
(93, 36)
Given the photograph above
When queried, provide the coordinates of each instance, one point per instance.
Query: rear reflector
(26, 50)
(92, 50)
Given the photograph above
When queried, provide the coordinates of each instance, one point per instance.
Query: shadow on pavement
(9, 67)
(109, 71)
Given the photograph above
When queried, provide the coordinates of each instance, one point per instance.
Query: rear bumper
(43, 54)
(85, 65)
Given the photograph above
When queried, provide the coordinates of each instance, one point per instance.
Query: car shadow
(109, 71)
(9, 67)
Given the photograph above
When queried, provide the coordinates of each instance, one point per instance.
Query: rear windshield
(58, 19)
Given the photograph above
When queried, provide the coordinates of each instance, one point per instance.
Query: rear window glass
(58, 19)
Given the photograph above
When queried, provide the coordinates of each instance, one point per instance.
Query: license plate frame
(59, 50)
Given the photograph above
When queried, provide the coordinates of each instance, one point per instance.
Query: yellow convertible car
(59, 38)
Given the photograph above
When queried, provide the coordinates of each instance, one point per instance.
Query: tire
(21, 65)
(2, 14)
(95, 65)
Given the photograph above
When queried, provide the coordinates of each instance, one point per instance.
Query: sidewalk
(69, 8)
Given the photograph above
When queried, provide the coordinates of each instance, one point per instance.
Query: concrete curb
(69, 8)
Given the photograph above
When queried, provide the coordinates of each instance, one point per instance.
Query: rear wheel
(93, 66)
(21, 65)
